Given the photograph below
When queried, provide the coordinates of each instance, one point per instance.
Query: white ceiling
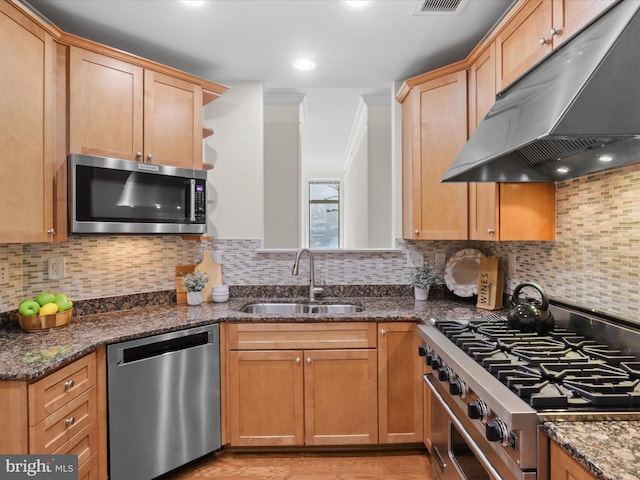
(229, 41)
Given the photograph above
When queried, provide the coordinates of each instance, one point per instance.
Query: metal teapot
(530, 315)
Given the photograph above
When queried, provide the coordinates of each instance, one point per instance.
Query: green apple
(63, 302)
(28, 307)
(45, 298)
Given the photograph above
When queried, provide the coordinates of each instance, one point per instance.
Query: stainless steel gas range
(492, 387)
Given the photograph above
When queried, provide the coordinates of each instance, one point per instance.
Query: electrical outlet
(513, 266)
(441, 260)
(56, 268)
(217, 257)
(4, 273)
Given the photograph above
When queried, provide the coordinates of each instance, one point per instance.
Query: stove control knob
(436, 362)
(445, 374)
(424, 350)
(458, 387)
(477, 410)
(497, 431)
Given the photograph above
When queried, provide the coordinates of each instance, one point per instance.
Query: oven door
(456, 455)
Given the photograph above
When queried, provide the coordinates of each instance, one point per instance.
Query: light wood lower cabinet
(399, 383)
(564, 467)
(62, 413)
(302, 384)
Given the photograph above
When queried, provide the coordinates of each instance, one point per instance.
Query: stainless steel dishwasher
(164, 402)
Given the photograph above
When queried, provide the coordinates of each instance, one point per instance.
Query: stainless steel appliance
(108, 195)
(576, 113)
(163, 402)
(493, 386)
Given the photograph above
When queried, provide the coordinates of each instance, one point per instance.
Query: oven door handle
(462, 430)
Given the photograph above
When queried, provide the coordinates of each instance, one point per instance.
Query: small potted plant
(424, 279)
(193, 283)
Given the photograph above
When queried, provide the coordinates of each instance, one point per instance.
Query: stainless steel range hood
(575, 113)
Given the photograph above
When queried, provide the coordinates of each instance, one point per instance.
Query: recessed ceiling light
(562, 170)
(193, 3)
(304, 64)
(356, 4)
(605, 158)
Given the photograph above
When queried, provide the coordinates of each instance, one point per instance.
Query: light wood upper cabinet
(569, 16)
(399, 383)
(434, 130)
(537, 27)
(27, 126)
(518, 45)
(121, 110)
(504, 211)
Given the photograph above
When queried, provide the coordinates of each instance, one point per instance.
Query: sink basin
(288, 308)
(333, 308)
(275, 308)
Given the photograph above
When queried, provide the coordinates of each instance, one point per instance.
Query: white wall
(380, 231)
(282, 202)
(235, 185)
(355, 191)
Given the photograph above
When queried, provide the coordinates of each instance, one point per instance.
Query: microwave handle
(192, 200)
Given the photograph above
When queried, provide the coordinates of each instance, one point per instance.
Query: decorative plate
(461, 272)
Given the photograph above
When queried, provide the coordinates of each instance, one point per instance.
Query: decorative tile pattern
(594, 261)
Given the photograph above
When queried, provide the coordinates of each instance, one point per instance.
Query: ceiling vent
(439, 7)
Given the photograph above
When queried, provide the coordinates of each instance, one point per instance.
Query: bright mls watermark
(50, 467)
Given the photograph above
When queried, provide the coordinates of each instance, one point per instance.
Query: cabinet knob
(138, 154)
(69, 384)
(416, 232)
(149, 156)
(555, 31)
(298, 361)
(544, 41)
(70, 421)
(308, 360)
(490, 231)
(383, 332)
(51, 231)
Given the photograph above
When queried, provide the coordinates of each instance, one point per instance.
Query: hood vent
(575, 113)
(439, 7)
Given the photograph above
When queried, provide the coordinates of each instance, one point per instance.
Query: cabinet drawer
(89, 469)
(58, 428)
(83, 444)
(287, 336)
(55, 390)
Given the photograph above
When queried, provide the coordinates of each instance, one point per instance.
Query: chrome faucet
(313, 290)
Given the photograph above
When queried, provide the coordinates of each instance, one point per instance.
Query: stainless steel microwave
(109, 195)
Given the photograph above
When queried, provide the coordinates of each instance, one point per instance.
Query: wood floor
(404, 465)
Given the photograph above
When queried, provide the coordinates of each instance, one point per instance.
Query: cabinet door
(172, 121)
(399, 383)
(569, 16)
(518, 46)
(340, 388)
(27, 129)
(439, 109)
(105, 107)
(564, 467)
(483, 197)
(266, 398)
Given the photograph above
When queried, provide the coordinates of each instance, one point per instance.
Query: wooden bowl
(38, 323)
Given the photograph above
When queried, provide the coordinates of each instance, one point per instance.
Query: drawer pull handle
(70, 421)
(69, 383)
(308, 360)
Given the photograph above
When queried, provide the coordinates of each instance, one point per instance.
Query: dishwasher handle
(155, 349)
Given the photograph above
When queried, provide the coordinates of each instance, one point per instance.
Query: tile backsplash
(594, 261)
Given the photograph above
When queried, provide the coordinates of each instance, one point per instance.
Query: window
(324, 214)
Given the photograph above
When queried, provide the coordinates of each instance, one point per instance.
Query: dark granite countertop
(610, 450)
(27, 356)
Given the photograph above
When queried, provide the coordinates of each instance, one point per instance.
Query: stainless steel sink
(272, 308)
(334, 308)
(288, 308)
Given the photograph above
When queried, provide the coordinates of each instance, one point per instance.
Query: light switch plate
(513, 266)
(414, 259)
(441, 260)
